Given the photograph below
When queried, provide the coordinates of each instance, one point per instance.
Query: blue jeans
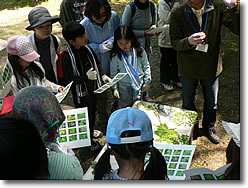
(210, 91)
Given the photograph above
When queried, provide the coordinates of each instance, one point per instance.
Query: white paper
(60, 96)
(6, 79)
(74, 131)
(187, 152)
(178, 159)
(116, 79)
(179, 120)
(233, 130)
(205, 173)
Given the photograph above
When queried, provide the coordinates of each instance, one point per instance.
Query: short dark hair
(93, 8)
(72, 30)
(23, 154)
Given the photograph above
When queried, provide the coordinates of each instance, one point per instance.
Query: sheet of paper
(6, 79)
(60, 96)
(74, 131)
(206, 174)
(233, 129)
(178, 159)
(116, 79)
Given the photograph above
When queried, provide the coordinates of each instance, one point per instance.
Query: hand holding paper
(106, 79)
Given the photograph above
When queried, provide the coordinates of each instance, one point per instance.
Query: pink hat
(6, 104)
(21, 46)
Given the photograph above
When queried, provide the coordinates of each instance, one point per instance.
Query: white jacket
(164, 12)
(54, 54)
(35, 81)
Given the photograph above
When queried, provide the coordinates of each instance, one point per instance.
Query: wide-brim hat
(39, 15)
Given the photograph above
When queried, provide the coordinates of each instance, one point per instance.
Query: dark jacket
(71, 10)
(196, 64)
(83, 65)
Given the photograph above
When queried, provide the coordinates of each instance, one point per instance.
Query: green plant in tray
(184, 118)
(170, 135)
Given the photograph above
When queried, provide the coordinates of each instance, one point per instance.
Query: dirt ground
(13, 22)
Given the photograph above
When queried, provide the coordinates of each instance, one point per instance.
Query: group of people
(101, 45)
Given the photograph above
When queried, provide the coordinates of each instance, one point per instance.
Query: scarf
(76, 72)
(132, 70)
(41, 107)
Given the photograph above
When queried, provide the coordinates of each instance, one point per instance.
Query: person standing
(141, 16)
(80, 65)
(195, 34)
(127, 56)
(26, 70)
(46, 44)
(71, 10)
(100, 24)
(168, 65)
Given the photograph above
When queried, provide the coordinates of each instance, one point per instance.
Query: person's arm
(114, 68)
(127, 16)
(65, 13)
(231, 18)
(68, 72)
(178, 40)
(89, 29)
(146, 67)
(164, 10)
(116, 21)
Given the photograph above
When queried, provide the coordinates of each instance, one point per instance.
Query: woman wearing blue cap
(130, 138)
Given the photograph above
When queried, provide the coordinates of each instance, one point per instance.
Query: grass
(206, 154)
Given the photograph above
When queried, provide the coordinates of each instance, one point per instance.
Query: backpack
(60, 64)
(152, 9)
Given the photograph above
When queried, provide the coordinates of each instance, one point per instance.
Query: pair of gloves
(106, 46)
(92, 75)
(146, 87)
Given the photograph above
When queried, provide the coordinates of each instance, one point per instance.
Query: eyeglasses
(98, 17)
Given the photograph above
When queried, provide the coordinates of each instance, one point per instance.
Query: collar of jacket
(208, 7)
(142, 6)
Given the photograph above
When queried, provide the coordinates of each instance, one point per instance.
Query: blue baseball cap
(129, 119)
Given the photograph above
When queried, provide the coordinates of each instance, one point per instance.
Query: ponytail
(103, 165)
(156, 168)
